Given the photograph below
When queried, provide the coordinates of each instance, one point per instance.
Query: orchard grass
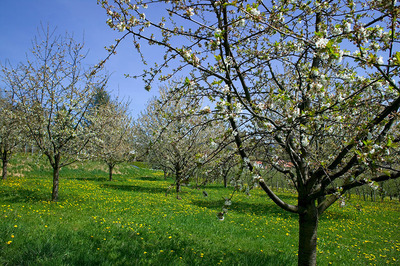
(131, 221)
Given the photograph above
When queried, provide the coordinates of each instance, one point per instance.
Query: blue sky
(85, 19)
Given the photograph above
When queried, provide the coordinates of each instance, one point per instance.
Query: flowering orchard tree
(11, 132)
(175, 138)
(53, 93)
(311, 83)
(113, 141)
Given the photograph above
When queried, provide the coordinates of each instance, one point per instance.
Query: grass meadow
(131, 221)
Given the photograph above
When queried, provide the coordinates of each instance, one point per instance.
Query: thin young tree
(113, 141)
(175, 140)
(53, 92)
(311, 83)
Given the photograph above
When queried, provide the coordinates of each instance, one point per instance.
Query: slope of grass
(131, 221)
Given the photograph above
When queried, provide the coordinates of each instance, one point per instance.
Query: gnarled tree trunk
(308, 224)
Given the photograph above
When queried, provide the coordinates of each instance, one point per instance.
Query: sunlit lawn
(131, 221)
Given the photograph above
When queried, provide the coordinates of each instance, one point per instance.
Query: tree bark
(225, 181)
(178, 179)
(178, 188)
(110, 171)
(5, 163)
(308, 224)
(56, 175)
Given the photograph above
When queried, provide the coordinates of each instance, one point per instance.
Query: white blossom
(373, 185)
(217, 32)
(206, 109)
(255, 12)
(241, 23)
(239, 107)
(321, 43)
(337, 31)
(305, 142)
(262, 106)
(256, 177)
(190, 12)
(121, 26)
(228, 202)
(347, 27)
(213, 144)
(226, 89)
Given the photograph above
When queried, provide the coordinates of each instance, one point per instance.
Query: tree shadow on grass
(23, 195)
(148, 178)
(128, 248)
(244, 207)
(96, 179)
(103, 177)
(264, 209)
(133, 188)
(187, 251)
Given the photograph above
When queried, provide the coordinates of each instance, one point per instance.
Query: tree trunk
(110, 171)
(5, 158)
(225, 181)
(178, 180)
(56, 175)
(5, 163)
(178, 188)
(308, 224)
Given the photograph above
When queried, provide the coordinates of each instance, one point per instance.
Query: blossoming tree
(313, 83)
(53, 93)
(173, 137)
(113, 140)
(11, 132)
